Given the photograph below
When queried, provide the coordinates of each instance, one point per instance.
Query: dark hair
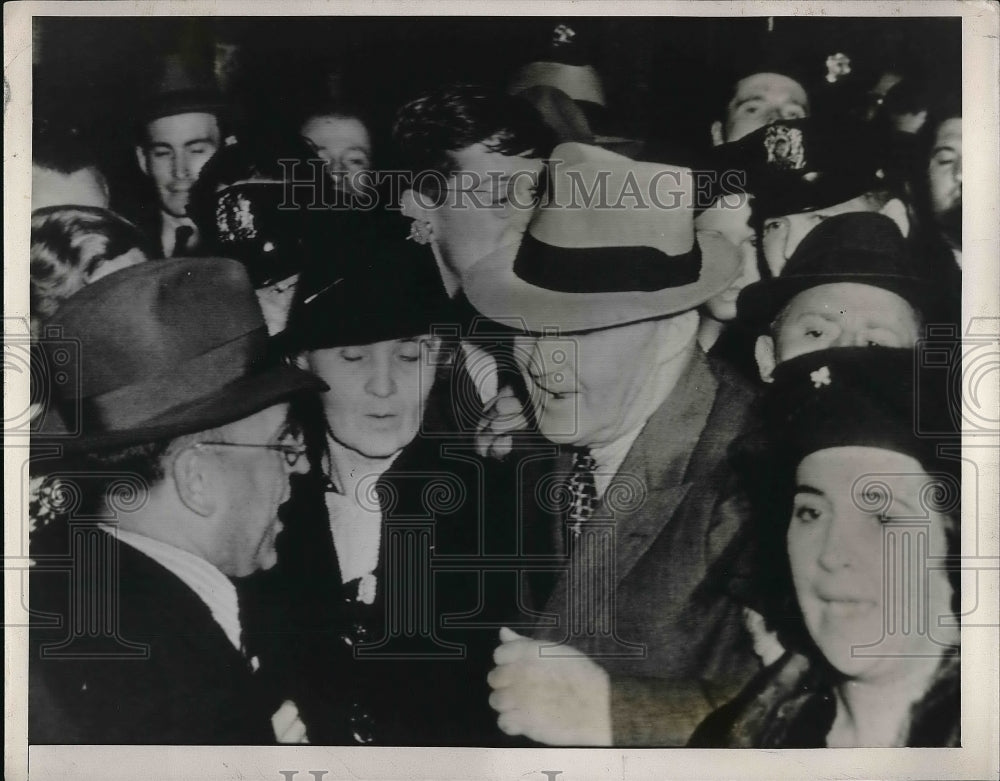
(64, 152)
(446, 120)
(767, 472)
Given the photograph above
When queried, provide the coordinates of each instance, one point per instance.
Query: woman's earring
(420, 231)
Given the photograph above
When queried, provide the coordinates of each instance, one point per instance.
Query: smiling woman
(870, 623)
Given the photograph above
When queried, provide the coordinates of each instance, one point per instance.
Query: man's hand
(562, 701)
(503, 415)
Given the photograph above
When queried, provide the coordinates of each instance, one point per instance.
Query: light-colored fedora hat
(612, 243)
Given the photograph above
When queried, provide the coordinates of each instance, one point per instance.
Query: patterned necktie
(582, 489)
(182, 241)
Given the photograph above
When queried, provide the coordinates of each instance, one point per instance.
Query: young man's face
(758, 100)
(489, 205)
(176, 149)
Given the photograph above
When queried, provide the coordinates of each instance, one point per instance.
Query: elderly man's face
(586, 387)
(944, 172)
(844, 314)
(176, 149)
(489, 205)
(758, 100)
(253, 484)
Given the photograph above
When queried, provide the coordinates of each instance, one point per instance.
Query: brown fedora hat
(582, 267)
(162, 349)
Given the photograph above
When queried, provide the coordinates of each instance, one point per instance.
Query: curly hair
(431, 127)
(70, 245)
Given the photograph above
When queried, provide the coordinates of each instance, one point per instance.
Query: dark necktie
(582, 489)
(182, 241)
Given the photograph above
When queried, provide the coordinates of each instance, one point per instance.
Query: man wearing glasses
(178, 445)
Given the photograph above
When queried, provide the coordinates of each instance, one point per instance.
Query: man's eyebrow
(194, 141)
(944, 148)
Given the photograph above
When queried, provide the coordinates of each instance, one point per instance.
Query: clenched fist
(561, 700)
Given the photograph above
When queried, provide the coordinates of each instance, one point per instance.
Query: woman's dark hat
(859, 396)
(264, 202)
(388, 288)
(861, 247)
(796, 166)
(161, 349)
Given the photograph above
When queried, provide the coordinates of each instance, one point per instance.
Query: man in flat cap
(638, 636)
(178, 448)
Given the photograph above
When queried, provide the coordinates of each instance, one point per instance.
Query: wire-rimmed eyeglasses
(291, 452)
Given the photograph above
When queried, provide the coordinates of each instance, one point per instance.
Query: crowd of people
(533, 440)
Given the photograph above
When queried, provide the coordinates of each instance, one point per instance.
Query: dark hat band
(198, 378)
(604, 269)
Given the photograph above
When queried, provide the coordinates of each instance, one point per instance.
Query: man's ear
(717, 138)
(895, 210)
(763, 353)
(140, 158)
(193, 484)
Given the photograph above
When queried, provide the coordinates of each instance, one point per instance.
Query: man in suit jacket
(177, 463)
(181, 127)
(639, 637)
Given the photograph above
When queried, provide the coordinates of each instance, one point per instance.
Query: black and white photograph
(489, 391)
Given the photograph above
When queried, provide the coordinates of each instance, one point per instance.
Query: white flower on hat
(820, 377)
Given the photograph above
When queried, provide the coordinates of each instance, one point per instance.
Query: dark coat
(434, 625)
(678, 648)
(164, 673)
(791, 705)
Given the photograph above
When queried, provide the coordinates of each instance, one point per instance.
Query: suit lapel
(659, 458)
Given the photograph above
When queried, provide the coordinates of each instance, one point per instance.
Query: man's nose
(182, 167)
(850, 337)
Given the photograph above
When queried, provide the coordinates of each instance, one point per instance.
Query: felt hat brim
(498, 293)
(235, 401)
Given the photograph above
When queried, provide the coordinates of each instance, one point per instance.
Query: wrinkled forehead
(837, 299)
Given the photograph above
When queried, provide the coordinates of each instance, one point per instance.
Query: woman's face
(377, 392)
(344, 143)
(861, 544)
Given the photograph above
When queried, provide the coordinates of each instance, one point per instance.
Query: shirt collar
(212, 587)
